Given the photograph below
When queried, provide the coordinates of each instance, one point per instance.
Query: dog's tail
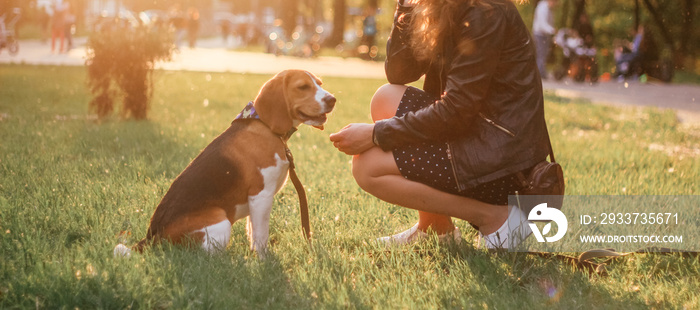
(122, 250)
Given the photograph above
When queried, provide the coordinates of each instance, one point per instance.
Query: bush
(120, 64)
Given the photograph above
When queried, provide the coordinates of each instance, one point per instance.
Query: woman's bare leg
(376, 172)
(383, 106)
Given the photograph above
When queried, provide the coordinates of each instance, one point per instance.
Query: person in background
(58, 26)
(225, 28)
(369, 32)
(542, 31)
(44, 22)
(69, 23)
(192, 26)
(629, 57)
(457, 147)
(585, 30)
(178, 23)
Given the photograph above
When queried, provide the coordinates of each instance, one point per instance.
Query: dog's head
(293, 97)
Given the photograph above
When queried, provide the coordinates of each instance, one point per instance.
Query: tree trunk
(665, 34)
(373, 3)
(289, 16)
(339, 13)
(687, 32)
(579, 9)
(317, 11)
(564, 17)
(636, 15)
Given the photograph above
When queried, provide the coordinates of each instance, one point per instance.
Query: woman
(453, 149)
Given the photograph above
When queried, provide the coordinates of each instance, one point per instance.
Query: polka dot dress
(428, 163)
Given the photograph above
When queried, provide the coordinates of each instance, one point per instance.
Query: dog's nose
(329, 100)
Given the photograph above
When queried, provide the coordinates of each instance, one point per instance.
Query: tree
(676, 33)
(687, 32)
(120, 63)
(339, 12)
(289, 13)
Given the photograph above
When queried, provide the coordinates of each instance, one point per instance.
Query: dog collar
(250, 113)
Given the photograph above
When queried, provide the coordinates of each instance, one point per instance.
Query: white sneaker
(414, 234)
(511, 233)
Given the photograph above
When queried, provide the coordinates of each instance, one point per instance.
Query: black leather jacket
(491, 110)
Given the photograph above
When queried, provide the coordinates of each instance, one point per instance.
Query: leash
(303, 203)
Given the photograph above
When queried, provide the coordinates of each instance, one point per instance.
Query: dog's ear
(271, 105)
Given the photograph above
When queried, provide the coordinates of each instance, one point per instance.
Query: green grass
(686, 77)
(69, 185)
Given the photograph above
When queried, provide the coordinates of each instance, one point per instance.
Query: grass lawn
(69, 185)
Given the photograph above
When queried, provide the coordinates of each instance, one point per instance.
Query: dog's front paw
(260, 249)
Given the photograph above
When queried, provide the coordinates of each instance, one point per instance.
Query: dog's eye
(304, 87)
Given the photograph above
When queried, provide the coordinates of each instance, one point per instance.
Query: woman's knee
(386, 100)
(370, 167)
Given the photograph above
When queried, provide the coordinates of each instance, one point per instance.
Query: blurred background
(359, 28)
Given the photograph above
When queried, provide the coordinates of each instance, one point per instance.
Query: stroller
(579, 59)
(8, 34)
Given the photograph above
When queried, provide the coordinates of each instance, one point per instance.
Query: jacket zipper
(454, 168)
(488, 120)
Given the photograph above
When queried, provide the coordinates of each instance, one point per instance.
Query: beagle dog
(238, 173)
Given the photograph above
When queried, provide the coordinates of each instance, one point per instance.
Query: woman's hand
(354, 138)
(408, 3)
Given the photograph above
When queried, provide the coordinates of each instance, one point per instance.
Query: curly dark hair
(429, 25)
(430, 22)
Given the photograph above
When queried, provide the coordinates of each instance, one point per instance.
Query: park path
(212, 56)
